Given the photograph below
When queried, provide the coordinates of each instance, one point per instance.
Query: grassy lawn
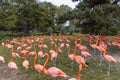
(94, 71)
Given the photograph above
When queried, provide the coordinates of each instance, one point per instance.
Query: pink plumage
(40, 53)
(86, 54)
(2, 59)
(25, 64)
(110, 59)
(12, 65)
(39, 67)
(56, 72)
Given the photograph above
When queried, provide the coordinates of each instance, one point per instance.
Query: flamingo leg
(94, 53)
(39, 75)
(100, 58)
(108, 72)
(54, 62)
(72, 63)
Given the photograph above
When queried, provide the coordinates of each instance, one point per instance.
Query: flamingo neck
(41, 49)
(90, 42)
(97, 41)
(75, 48)
(69, 50)
(25, 56)
(35, 58)
(21, 45)
(104, 53)
(47, 59)
(12, 59)
(79, 72)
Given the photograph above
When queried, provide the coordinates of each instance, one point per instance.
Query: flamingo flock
(35, 47)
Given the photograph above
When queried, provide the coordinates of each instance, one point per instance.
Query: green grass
(93, 72)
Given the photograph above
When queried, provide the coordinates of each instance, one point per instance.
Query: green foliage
(8, 16)
(49, 30)
(71, 29)
(94, 16)
(26, 15)
(63, 30)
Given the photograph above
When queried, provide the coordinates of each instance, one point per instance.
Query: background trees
(8, 16)
(26, 15)
(89, 16)
(96, 16)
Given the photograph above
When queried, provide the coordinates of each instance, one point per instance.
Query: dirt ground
(8, 74)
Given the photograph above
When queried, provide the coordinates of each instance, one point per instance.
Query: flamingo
(25, 62)
(9, 46)
(110, 59)
(14, 54)
(53, 53)
(71, 56)
(38, 67)
(82, 47)
(79, 73)
(40, 54)
(55, 72)
(2, 59)
(86, 54)
(94, 46)
(41, 46)
(12, 64)
(28, 48)
(102, 47)
(77, 58)
(80, 60)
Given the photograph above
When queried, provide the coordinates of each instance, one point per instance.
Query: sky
(60, 2)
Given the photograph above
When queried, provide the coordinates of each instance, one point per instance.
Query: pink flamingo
(82, 47)
(38, 67)
(14, 54)
(86, 54)
(77, 58)
(9, 46)
(110, 59)
(55, 72)
(2, 59)
(71, 56)
(94, 46)
(12, 64)
(80, 60)
(25, 62)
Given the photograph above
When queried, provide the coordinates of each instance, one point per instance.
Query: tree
(8, 15)
(27, 14)
(94, 16)
(97, 16)
(47, 18)
(35, 15)
(61, 18)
